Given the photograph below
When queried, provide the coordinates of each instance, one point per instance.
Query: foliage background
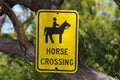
(99, 40)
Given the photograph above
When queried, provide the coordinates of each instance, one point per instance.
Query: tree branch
(2, 19)
(85, 72)
(13, 47)
(34, 5)
(17, 26)
(117, 2)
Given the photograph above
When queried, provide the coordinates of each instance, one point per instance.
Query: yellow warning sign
(57, 41)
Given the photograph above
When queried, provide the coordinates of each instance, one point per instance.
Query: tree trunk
(22, 47)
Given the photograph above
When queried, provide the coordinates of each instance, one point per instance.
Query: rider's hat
(54, 19)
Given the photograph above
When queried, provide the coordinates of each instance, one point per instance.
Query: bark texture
(22, 47)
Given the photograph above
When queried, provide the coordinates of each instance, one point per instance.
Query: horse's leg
(51, 38)
(46, 38)
(60, 38)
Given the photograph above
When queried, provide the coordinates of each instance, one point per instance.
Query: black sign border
(76, 43)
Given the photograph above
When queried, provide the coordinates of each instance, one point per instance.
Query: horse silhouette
(49, 31)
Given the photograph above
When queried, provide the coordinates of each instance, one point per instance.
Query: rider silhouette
(54, 23)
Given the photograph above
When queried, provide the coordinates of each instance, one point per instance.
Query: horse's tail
(45, 30)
